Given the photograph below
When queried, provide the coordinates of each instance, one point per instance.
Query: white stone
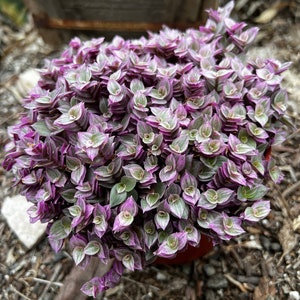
(14, 210)
(26, 82)
(294, 295)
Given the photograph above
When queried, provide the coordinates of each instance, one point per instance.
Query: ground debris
(287, 239)
(263, 264)
(265, 290)
(14, 210)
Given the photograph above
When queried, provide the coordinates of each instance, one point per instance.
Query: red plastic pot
(268, 153)
(190, 254)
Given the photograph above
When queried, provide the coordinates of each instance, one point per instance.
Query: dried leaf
(269, 14)
(296, 224)
(264, 290)
(287, 238)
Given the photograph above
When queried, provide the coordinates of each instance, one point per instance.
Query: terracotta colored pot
(268, 153)
(190, 254)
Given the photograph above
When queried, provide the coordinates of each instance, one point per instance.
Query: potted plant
(135, 150)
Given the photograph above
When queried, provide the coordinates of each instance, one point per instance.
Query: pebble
(161, 276)
(276, 247)
(217, 282)
(294, 295)
(209, 270)
(265, 242)
(210, 295)
(14, 210)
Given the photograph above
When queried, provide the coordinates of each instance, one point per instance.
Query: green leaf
(75, 210)
(257, 163)
(274, 172)
(206, 174)
(140, 100)
(255, 193)
(246, 139)
(69, 195)
(44, 100)
(92, 248)
(159, 94)
(129, 183)
(41, 128)
(121, 187)
(244, 149)
(258, 211)
(152, 198)
(280, 101)
(54, 175)
(178, 207)
(114, 87)
(148, 138)
(128, 261)
(159, 188)
(180, 144)
(261, 118)
(136, 85)
(72, 163)
(224, 194)
(134, 194)
(162, 219)
(97, 139)
(78, 255)
(116, 198)
(204, 132)
(85, 75)
(60, 229)
(212, 196)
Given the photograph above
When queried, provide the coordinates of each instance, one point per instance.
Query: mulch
(262, 264)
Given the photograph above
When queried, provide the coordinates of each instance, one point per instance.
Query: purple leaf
(173, 244)
(258, 211)
(122, 221)
(162, 219)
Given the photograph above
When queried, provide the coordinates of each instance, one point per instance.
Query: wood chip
(265, 289)
(296, 224)
(287, 239)
(269, 14)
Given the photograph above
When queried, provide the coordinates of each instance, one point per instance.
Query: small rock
(276, 247)
(187, 269)
(265, 242)
(161, 276)
(14, 210)
(27, 80)
(210, 295)
(294, 295)
(148, 296)
(209, 270)
(217, 282)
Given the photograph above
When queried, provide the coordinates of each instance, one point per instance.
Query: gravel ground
(262, 264)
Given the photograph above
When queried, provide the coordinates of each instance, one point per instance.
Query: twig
(47, 281)
(237, 283)
(124, 294)
(141, 284)
(9, 118)
(237, 258)
(254, 280)
(290, 170)
(18, 293)
(283, 205)
(281, 148)
(53, 278)
(291, 189)
(292, 135)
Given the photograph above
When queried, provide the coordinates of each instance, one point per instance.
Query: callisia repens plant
(132, 149)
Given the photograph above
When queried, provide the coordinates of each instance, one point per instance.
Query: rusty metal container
(58, 20)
